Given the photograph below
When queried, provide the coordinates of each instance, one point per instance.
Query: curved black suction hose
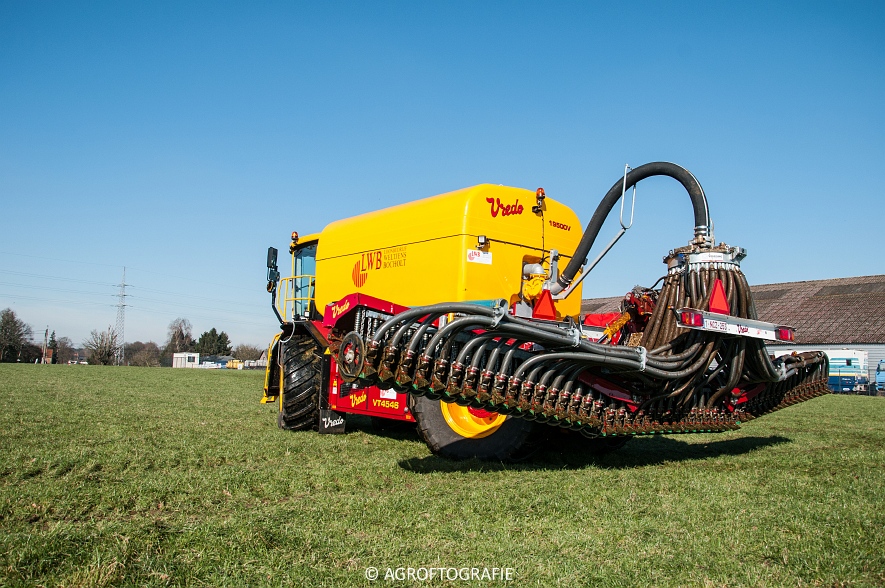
(659, 168)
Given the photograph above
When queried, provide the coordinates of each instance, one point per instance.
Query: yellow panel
(425, 251)
(268, 370)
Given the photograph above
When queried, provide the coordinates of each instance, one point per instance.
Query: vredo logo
(504, 209)
(367, 261)
(339, 309)
(329, 422)
(357, 399)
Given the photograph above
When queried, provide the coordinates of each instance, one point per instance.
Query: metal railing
(295, 293)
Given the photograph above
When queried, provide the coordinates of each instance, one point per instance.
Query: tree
(179, 340)
(53, 346)
(30, 353)
(247, 352)
(14, 333)
(181, 336)
(214, 343)
(102, 347)
(64, 350)
(143, 354)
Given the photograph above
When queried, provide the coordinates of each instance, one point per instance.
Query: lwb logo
(368, 261)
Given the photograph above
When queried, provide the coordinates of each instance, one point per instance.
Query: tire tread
(302, 380)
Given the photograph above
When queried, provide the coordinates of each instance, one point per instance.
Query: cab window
(304, 272)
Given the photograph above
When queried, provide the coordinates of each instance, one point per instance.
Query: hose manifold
(694, 257)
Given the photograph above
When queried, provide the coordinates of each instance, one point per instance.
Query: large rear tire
(459, 432)
(302, 381)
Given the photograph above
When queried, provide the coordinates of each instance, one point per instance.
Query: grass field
(139, 476)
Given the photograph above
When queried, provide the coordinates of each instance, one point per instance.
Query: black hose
(475, 361)
(660, 168)
(419, 311)
(468, 347)
(419, 334)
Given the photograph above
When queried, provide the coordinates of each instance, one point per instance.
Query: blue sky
(180, 139)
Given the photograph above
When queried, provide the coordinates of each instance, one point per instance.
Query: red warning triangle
(718, 300)
(544, 308)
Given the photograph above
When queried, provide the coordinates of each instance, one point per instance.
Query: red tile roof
(832, 312)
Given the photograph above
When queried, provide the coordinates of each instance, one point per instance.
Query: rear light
(692, 319)
(783, 334)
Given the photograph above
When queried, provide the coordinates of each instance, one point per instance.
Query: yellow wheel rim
(469, 422)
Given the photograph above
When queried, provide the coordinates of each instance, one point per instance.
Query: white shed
(185, 360)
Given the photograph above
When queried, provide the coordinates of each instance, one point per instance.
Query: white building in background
(185, 360)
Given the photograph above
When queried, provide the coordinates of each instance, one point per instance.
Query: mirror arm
(273, 277)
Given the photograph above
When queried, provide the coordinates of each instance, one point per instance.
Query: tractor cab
(294, 297)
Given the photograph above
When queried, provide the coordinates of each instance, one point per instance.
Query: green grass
(138, 476)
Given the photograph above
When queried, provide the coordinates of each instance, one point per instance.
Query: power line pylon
(121, 319)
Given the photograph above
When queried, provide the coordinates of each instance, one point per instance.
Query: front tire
(302, 381)
(458, 432)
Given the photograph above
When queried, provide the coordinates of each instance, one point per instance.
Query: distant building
(185, 360)
(828, 315)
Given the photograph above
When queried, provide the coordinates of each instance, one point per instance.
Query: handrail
(291, 286)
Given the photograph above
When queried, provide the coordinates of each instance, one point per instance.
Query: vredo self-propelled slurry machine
(455, 312)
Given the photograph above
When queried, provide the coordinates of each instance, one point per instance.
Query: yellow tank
(430, 250)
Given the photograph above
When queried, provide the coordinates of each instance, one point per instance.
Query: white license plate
(716, 325)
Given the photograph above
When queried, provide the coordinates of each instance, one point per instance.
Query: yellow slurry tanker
(456, 312)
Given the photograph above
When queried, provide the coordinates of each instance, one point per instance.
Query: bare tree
(181, 336)
(247, 352)
(179, 340)
(14, 334)
(102, 347)
(65, 350)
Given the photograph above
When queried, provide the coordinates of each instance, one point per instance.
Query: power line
(198, 307)
(194, 296)
(216, 307)
(219, 301)
(148, 310)
(186, 278)
(39, 299)
(215, 319)
(191, 279)
(43, 277)
(59, 259)
(56, 289)
(219, 316)
(139, 288)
